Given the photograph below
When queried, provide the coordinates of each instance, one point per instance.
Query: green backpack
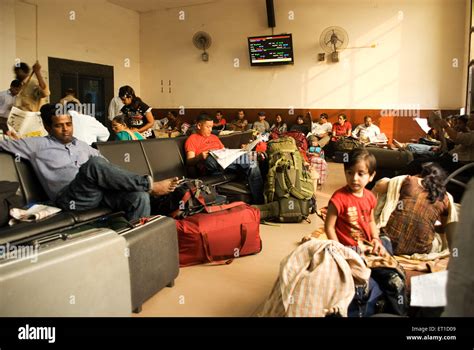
(289, 187)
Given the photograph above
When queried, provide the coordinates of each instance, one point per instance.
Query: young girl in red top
(350, 215)
(350, 220)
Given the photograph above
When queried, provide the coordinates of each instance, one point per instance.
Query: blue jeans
(421, 149)
(101, 183)
(246, 165)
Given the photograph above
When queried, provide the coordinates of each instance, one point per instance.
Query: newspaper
(26, 124)
(429, 290)
(226, 156)
(423, 124)
(35, 213)
(380, 138)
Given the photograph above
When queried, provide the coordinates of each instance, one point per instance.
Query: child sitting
(314, 148)
(350, 221)
(317, 163)
(122, 132)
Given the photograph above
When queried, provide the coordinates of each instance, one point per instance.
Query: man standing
(32, 91)
(76, 177)
(7, 99)
(197, 149)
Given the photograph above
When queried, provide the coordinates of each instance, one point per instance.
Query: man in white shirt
(367, 131)
(7, 99)
(322, 130)
(115, 106)
(86, 127)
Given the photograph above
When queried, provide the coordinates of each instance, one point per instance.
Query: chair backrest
(32, 189)
(128, 155)
(21, 171)
(165, 157)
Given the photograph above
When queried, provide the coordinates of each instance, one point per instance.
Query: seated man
(174, 121)
(240, 124)
(461, 154)
(76, 177)
(322, 130)
(300, 125)
(219, 122)
(367, 131)
(261, 125)
(197, 148)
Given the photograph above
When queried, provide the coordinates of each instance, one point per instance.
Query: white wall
(412, 65)
(7, 42)
(92, 31)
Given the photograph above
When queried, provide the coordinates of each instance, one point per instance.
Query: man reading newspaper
(200, 145)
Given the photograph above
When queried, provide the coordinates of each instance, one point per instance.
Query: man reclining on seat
(197, 148)
(76, 177)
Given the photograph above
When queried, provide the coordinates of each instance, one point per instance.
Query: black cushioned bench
(153, 247)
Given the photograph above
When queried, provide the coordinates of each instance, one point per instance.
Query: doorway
(93, 84)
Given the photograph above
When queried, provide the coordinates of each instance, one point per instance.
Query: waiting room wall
(412, 65)
(84, 30)
(7, 42)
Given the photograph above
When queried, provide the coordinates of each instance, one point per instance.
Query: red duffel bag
(220, 234)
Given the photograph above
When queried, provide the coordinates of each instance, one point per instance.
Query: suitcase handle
(222, 260)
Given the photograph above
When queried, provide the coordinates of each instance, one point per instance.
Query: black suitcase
(84, 274)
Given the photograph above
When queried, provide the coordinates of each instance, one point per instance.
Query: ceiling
(158, 5)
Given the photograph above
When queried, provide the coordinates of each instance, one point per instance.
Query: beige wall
(7, 42)
(412, 64)
(100, 33)
(472, 25)
(467, 54)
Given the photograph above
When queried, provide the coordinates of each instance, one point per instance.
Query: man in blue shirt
(76, 177)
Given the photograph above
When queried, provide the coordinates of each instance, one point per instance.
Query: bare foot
(398, 144)
(160, 188)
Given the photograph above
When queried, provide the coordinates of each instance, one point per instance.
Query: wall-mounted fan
(333, 40)
(202, 41)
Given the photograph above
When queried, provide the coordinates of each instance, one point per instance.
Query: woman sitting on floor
(422, 202)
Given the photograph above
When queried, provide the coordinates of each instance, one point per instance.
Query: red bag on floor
(223, 233)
